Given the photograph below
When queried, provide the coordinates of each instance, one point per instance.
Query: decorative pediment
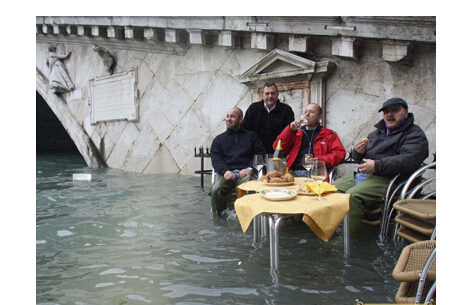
(282, 66)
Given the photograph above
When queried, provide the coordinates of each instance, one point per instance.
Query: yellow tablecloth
(322, 217)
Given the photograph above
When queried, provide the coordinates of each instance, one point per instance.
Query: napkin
(324, 187)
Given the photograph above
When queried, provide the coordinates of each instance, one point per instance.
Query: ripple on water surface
(127, 237)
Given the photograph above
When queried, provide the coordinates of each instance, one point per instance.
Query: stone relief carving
(60, 81)
(107, 59)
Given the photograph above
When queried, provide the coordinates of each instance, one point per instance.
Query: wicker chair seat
(412, 261)
(415, 224)
(423, 209)
(406, 293)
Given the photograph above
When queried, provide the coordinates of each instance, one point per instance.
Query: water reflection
(128, 237)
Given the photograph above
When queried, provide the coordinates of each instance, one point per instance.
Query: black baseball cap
(392, 102)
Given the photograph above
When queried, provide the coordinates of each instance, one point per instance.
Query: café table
(322, 217)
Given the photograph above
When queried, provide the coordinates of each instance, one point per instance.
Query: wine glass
(308, 163)
(319, 174)
(258, 164)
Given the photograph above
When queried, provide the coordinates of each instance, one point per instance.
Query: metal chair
(416, 270)
(417, 217)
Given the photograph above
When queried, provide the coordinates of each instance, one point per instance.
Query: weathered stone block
(170, 35)
(262, 41)
(111, 32)
(80, 30)
(95, 30)
(149, 34)
(397, 52)
(225, 39)
(128, 32)
(195, 36)
(345, 47)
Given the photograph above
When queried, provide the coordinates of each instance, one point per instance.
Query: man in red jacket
(312, 138)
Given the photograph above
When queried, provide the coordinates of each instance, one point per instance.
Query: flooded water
(128, 238)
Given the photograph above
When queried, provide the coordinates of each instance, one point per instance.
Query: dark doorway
(50, 134)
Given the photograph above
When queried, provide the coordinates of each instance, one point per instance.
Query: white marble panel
(222, 93)
(241, 60)
(168, 69)
(115, 129)
(142, 151)
(162, 162)
(200, 59)
(155, 60)
(190, 132)
(124, 144)
(144, 77)
(352, 115)
(194, 83)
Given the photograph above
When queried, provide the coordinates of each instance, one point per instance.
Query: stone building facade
(180, 75)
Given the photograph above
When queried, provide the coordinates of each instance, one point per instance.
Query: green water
(128, 238)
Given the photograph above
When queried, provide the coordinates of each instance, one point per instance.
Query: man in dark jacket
(312, 138)
(232, 158)
(268, 117)
(397, 146)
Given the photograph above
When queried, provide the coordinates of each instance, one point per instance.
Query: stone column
(68, 29)
(195, 36)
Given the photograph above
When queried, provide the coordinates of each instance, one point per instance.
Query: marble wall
(184, 96)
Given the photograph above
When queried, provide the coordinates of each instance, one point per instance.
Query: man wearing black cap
(397, 146)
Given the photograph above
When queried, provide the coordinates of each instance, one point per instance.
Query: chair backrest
(413, 179)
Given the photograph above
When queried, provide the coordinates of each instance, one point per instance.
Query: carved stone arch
(77, 133)
(289, 72)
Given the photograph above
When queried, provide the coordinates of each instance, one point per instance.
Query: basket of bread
(275, 177)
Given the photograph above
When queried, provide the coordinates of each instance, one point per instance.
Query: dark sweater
(235, 150)
(268, 125)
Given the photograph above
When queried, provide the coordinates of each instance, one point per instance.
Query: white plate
(278, 194)
(311, 193)
(279, 184)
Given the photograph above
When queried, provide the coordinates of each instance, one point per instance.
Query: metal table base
(274, 222)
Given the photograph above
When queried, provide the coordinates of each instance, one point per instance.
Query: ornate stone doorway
(300, 81)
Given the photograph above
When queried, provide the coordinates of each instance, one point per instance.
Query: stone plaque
(114, 97)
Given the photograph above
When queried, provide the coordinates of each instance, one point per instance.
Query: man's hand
(295, 125)
(229, 176)
(245, 172)
(361, 147)
(368, 167)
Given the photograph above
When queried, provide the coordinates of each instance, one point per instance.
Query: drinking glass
(319, 174)
(258, 164)
(308, 163)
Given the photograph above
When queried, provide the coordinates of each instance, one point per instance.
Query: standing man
(232, 158)
(323, 143)
(268, 117)
(397, 146)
